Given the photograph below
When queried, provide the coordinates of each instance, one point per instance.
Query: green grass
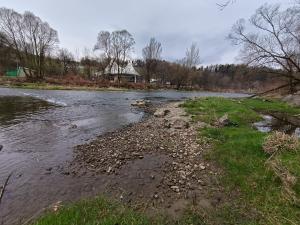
(92, 212)
(100, 211)
(239, 151)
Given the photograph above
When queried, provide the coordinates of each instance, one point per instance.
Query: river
(38, 130)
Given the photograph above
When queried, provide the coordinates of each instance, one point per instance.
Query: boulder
(161, 112)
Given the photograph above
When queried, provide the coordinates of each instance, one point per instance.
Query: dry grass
(287, 179)
(275, 144)
(279, 142)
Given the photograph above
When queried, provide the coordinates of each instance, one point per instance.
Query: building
(19, 72)
(127, 74)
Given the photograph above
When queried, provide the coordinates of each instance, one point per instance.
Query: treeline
(228, 77)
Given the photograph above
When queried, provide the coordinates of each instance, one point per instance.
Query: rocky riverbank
(156, 164)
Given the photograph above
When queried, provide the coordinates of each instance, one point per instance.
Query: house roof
(129, 69)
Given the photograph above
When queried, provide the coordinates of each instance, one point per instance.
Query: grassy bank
(45, 86)
(238, 150)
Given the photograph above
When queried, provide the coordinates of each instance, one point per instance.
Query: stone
(202, 167)
(179, 123)
(109, 169)
(140, 103)
(73, 126)
(224, 121)
(161, 113)
(1, 147)
(175, 188)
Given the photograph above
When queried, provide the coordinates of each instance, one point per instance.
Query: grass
(239, 151)
(100, 211)
(92, 212)
(45, 86)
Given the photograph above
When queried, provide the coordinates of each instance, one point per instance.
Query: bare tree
(30, 37)
(116, 48)
(122, 45)
(151, 54)
(192, 57)
(274, 40)
(224, 4)
(66, 58)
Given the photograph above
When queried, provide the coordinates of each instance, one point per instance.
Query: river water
(38, 130)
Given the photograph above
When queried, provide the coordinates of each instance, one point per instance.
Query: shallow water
(38, 130)
(279, 122)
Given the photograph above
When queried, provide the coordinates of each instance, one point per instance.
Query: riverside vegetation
(260, 172)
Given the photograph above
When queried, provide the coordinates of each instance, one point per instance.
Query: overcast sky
(175, 23)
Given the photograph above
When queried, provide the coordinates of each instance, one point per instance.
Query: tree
(151, 54)
(31, 38)
(274, 40)
(67, 59)
(192, 57)
(122, 45)
(116, 48)
(224, 4)
(104, 44)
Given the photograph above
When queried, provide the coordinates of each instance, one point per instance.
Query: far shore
(48, 86)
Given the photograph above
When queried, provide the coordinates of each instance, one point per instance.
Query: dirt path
(154, 165)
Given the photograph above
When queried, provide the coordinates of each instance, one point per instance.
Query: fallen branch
(274, 89)
(4, 186)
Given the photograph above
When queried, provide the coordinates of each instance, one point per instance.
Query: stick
(4, 186)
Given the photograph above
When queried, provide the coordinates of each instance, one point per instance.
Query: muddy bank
(156, 165)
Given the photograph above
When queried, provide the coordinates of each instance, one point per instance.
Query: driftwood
(4, 186)
(274, 89)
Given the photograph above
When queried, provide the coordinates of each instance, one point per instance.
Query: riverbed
(39, 130)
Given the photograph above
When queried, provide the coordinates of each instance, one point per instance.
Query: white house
(128, 73)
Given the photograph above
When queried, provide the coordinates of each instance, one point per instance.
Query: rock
(175, 188)
(161, 113)
(1, 147)
(73, 126)
(202, 167)
(140, 103)
(109, 169)
(224, 121)
(155, 196)
(179, 123)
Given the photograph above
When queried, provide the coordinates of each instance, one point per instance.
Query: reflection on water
(38, 130)
(14, 107)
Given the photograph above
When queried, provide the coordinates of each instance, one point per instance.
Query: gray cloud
(175, 23)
